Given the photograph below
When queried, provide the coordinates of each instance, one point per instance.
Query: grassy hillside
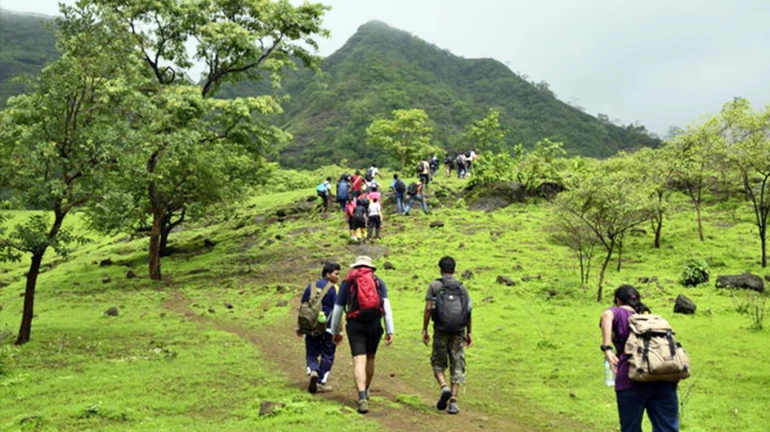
(177, 358)
(380, 69)
(27, 45)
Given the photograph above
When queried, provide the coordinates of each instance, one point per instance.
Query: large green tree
(486, 134)
(406, 136)
(196, 151)
(655, 168)
(63, 137)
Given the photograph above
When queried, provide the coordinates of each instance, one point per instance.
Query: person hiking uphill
(324, 191)
(343, 191)
(364, 298)
(360, 217)
(447, 303)
(659, 399)
(374, 222)
(320, 343)
(399, 188)
(357, 183)
(416, 192)
(350, 211)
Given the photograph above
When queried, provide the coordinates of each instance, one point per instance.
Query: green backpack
(308, 322)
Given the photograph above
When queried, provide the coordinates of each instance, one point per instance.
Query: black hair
(358, 172)
(328, 179)
(628, 295)
(374, 188)
(329, 268)
(447, 265)
(395, 176)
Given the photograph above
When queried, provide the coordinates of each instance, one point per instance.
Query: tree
(572, 232)
(486, 134)
(696, 153)
(655, 168)
(747, 134)
(406, 136)
(61, 138)
(194, 150)
(540, 164)
(609, 202)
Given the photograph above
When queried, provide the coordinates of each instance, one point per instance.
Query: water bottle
(609, 375)
(321, 317)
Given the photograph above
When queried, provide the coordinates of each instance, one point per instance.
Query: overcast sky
(656, 62)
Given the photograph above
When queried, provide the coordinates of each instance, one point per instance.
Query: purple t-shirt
(620, 334)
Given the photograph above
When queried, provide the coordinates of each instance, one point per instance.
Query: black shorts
(424, 178)
(364, 336)
(375, 221)
(351, 224)
(359, 223)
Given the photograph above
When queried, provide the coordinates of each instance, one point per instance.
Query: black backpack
(369, 175)
(400, 186)
(452, 308)
(412, 189)
(359, 215)
(420, 167)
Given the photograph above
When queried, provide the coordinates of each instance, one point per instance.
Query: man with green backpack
(313, 322)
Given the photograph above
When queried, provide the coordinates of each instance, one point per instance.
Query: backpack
(365, 299)
(452, 308)
(369, 174)
(309, 311)
(653, 353)
(321, 188)
(412, 189)
(421, 167)
(350, 208)
(400, 186)
(359, 214)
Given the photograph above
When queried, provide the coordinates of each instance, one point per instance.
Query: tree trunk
(763, 240)
(604, 268)
(620, 253)
(658, 230)
(164, 232)
(155, 235)
(700, 221)
(25, 331)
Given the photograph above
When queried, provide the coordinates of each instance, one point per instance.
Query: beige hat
(363, 261)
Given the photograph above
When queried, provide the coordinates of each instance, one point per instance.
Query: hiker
(447, 303)
(399, 188)
(360, 215)
(324, 191)
(449, 164)
(372, 173)
(374, 193)
(343, 191)
(350, 210)
(423, 170)
(433, 165)
(659, 399)
(374, 221)
(470, 157)
(364, 297)
(416, 192)
(357, 183)
(320, 343)
(462, 165)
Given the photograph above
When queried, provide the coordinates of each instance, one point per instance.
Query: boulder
(106, 280)
(282, 303)
(130, 274)
(638, 232)
(746, 281)
(388, 266)
(208, 243)
(212, 310)
(436, 224)
(112, 311)
(505, 280)
(105, 262)
(491, 197)
(548, 190)
(267, 407)
(684, 305)
(228, 305)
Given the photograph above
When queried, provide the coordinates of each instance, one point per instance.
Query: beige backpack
(653, 353)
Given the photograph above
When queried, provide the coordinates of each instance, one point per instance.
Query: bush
(695, 272)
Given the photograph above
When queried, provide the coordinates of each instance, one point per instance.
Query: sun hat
(363, 261)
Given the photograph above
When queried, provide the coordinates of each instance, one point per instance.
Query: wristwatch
(606, 347)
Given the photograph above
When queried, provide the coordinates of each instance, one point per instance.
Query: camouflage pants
(449, 349)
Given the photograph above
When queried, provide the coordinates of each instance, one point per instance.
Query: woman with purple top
(659, 399)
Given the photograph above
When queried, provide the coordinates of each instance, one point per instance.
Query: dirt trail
(288, 354)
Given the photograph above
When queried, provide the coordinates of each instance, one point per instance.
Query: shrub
(695, 271)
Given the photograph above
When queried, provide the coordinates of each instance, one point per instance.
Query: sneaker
(313, 386)
(453, 407)
(443, 399)
(363, 406)
(324, 388)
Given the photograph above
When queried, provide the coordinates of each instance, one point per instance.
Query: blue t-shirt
(344, 293)
(327, 304)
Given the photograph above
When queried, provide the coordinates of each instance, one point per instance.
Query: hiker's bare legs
(440, 378)
(360, 372)
(369, 370)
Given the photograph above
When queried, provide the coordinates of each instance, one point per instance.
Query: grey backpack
(452, 308)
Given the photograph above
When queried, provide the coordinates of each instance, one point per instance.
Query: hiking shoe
(324, 388)
(363, 406)
(313, 386)
(453, 407)
(443, 399)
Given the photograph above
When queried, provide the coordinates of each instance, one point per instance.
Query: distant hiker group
(363, 298)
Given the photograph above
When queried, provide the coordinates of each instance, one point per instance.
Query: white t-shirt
(374, 209)
(375, 172)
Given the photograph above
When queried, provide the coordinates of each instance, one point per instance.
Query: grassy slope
(149, 369)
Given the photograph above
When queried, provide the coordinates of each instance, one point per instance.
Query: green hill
(26, 45)
(380, 69)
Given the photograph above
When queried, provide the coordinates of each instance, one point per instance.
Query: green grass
(535, 356)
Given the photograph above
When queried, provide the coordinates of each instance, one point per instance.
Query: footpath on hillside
(286, 353)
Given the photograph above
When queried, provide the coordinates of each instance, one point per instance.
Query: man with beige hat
(364, 298)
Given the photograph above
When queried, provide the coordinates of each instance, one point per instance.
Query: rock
(259, 219)
(684, 305)
(491, 197)
(467, 274)
(527, 278)
(488, 299)
(461, 246)
(268, 242)
(644, 280)
(552, 293)
(208, 243)
(212, 310)
(280, 288)
(548, 190)
(436, 224)
(415, 277)
(112, 311)
(278, 237)
(130, 274)
(282, 303)
(106, 280)
(388, 266)
(518, 267)
(105, 263)
(267, 407)
(767, 278)
(228, 305)
(638, 232)
(505, 280)
(746, 281)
